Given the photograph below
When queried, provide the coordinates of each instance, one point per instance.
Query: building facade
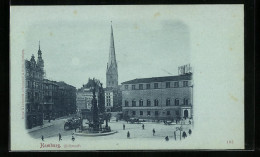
(112, 90)
(159, 98)
(50, 99)
(66, 99)
(34, 75)
(84, 98)
(45, 99)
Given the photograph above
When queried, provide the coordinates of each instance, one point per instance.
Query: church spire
(112, 73)
(112, 55)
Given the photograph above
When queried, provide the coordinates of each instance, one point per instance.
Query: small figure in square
(42, 138)
(73, 138)
(166, 138)
(60, 137)
(190, 131)
(123, 126)
(153, 132)
(143, 126)
(184, 134)
(128, 134)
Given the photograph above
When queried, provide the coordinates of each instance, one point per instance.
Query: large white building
(84, 98)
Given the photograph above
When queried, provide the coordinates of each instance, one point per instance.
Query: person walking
(153, 132)
(166, 138)
(143, 126)
(60, 137)
(75, 129)
(128, 134)
(184, 134)
(123, 126)
(73, 138)
(175, 135)
(42, 138)
(190, 131)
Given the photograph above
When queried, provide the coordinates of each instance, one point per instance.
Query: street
(135, 130)
(58, 127)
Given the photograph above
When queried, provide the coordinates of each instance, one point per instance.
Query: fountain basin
(95, 134)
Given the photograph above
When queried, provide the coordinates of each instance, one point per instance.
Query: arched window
(156, 102)
(168, 102)
(126, 103)
(133, 103)
(176, 102)
(141, 102)
(148, 103)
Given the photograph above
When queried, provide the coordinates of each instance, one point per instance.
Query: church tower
(112, 73)
(40, 62)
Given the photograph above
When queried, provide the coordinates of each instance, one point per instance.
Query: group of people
(60, 139)
(184, 134)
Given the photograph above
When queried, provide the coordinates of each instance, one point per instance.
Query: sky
(75, 45)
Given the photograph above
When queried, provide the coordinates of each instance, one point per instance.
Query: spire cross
(39, 45)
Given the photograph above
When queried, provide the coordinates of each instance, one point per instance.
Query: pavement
(46, 124)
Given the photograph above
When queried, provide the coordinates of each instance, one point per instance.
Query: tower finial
(39, 45)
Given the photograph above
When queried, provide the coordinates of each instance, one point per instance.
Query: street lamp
(179, 129)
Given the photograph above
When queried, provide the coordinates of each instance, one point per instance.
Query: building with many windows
(162, 98)
(34, 75)
(45, 99)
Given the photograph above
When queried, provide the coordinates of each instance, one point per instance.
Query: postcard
(126, 77)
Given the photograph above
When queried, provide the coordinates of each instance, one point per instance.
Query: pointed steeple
(112, 73)
(40, 61)
(39, 51)
(112, 55)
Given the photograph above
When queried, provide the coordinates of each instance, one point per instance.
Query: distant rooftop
(159, 79)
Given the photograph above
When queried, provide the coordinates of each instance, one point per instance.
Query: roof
(159, 79)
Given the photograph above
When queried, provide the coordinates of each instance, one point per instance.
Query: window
(133, 113)
(133, 87)
(177, 112)
(133, 103)
(140, 86)
(156, 113)
(148, 113)
(156, 102)
(168, 102)
(176, 102)
(168, 84)
(168, 113)
(126, 103)
(185, 101)
(176, 84)
(140, 102)
(155, 85)
(126, 86)
(148, 86)
(141, 113)
(148, 103)
(185, 83)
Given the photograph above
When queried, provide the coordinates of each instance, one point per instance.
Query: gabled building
(34, 75)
